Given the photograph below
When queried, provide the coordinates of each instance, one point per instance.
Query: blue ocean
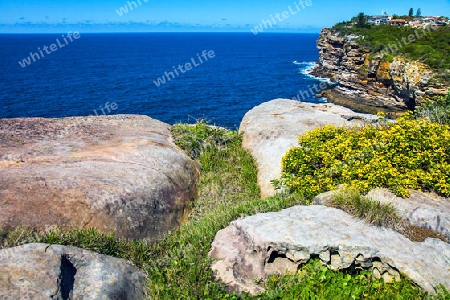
(222, 75)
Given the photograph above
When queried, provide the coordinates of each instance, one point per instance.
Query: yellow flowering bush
(407, 154)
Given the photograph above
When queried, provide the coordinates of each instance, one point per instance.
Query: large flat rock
(279, 242)
(119, 174)
(271, 128)
(42, 271)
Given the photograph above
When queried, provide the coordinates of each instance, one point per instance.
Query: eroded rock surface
(42, 271)
(115, 173)
(278, 242)
(271, 128)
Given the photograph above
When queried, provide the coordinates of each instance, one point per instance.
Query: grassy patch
(90, 239)
(379, 214)
(315, 281)
(372, 211)
(228, 171)
(228, 190)
(201, 137)
(18, 236)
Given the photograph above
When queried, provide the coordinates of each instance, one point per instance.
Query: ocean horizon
(171, 77)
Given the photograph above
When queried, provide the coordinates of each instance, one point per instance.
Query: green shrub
(407, 154)
(437, 110)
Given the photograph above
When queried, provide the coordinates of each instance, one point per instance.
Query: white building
(379, 20)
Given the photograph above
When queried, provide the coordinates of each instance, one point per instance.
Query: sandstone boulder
(41, 271)
(271, 128)
(119, 174)
(279, 242)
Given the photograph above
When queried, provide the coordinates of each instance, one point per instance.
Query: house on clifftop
(378, 20)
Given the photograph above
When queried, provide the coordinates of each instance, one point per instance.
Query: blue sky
(193, 15)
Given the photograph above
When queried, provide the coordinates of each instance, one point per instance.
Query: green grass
(90, 238)
(315, 281)
(201, 137)
(228, 171)
(379, 214)
(372, 211)
(228, 190)
(178, 266)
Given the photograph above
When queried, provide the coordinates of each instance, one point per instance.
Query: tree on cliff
(419, 12)
(362, 20)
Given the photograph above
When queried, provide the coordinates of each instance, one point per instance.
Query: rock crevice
(42, 271)
(66, 279)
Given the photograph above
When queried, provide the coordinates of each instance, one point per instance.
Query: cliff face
(367, 82)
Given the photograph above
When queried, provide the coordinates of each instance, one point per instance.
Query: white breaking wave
(307, 67)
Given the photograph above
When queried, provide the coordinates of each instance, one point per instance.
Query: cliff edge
(371, 82)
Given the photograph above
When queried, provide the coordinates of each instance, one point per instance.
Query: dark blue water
(80, 78)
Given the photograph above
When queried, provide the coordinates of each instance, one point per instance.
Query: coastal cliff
(371, 82)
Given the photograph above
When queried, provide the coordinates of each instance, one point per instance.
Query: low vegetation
(408, 154)
(201, 137)
(372, 211)
(178, 266)
(315, 281)
(436, 110)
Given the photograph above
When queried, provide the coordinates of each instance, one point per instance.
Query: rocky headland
(369, 82)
